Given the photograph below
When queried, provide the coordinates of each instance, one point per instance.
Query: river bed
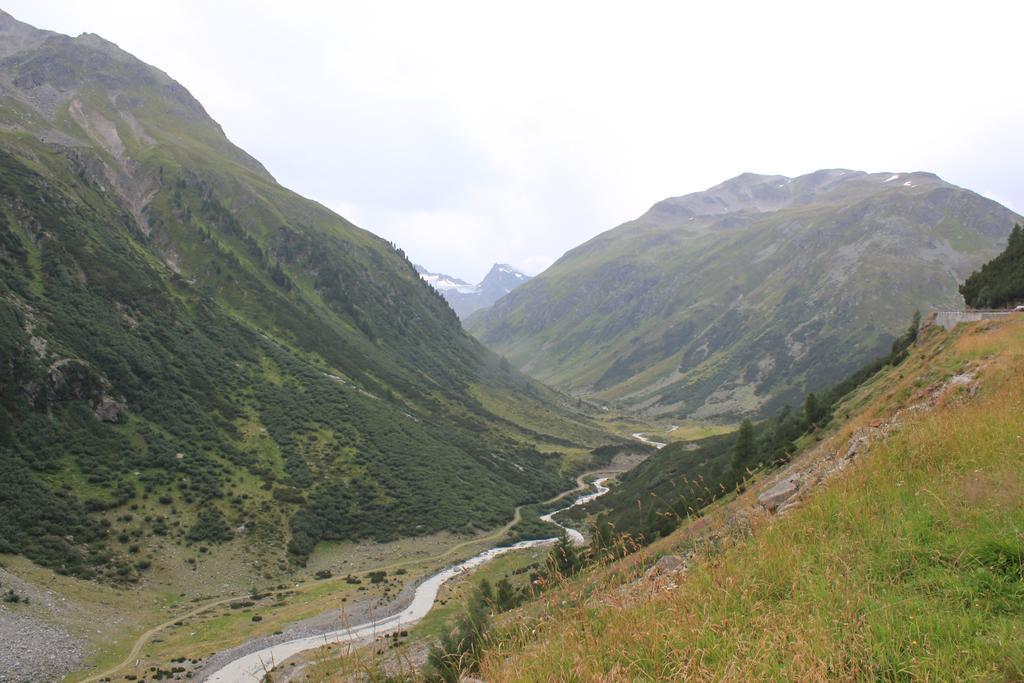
(255, 665)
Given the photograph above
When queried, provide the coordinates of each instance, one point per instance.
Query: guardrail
(950, 319)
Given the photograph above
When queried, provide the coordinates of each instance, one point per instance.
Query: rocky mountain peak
(16, 36)
(501, 271)
(501, 280)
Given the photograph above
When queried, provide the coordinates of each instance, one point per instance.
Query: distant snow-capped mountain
(447, 283)
(465, 298)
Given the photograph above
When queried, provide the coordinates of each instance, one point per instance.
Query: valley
(211, 385)
(234, 362)
(881, 555)
(769, 430)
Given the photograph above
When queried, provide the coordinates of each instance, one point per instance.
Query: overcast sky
(477, 132)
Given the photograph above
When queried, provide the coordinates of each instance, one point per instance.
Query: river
(253, 666)
(657, 444)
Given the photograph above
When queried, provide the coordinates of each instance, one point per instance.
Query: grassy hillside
(192, 355)
(906, 565)
(739, 299)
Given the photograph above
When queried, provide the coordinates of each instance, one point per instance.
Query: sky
(471, 133)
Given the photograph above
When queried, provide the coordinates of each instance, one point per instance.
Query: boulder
(774, 497)
(109, 410)
(667, 565)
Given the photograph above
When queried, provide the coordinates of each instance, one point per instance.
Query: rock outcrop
(669, 564)
(69, 379)
(109, 410)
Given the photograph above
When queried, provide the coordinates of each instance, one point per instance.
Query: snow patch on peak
(508, 270)
(893, 177)
(503, 271)
(445, 283)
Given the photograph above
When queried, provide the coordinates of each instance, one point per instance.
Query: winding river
(657, 444)
(253, 667)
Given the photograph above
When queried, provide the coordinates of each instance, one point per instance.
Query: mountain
(192, 353)
(742, 298)
(464, 298)
(445, 283)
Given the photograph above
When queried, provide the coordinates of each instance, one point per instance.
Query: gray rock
(858, 444)
(667, 565)
(69, 379)
(109, 410)
(34, 650)
(774, 497)
(787, 506)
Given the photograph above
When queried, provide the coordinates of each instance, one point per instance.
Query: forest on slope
(192, 353)
(1000, 282)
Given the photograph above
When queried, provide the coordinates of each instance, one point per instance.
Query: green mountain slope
(744, 297)
(191, 353)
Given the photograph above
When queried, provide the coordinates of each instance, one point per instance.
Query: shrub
(210, 526)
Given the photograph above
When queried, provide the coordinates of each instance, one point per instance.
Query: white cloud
(478, 132)
(532, 264)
